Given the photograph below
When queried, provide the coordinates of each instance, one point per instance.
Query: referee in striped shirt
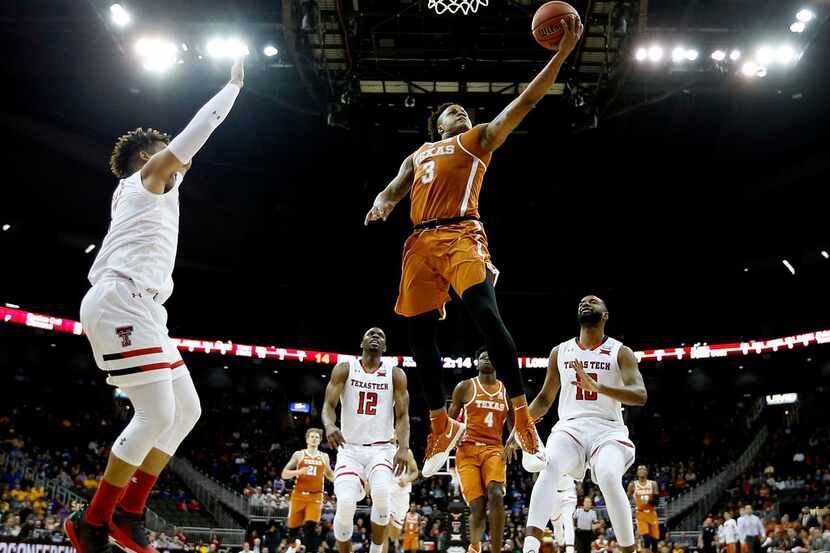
(586, 520)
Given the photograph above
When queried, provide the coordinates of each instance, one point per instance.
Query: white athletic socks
(569, 549)
(531, 545)
(374, 548)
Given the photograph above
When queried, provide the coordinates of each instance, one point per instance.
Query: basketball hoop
(452, 6)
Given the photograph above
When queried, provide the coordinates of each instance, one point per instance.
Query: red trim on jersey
(573, 438)
(177, 364)
(336, 476)
(140, 368)
(381, 465)
(583, 348)
(626, 444)
(154, 366)
(360, 362)
(132, 353)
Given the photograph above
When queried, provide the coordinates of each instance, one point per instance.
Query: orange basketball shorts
(477, 466)
(435, 259)
(732, 547)
(648, 524)
(410, 541)
(302, 510)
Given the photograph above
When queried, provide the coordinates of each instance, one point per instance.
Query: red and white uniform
(590, 418)
(563, 513)
(132, 276)
(367, 418)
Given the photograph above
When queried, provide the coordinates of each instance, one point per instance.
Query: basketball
(547, 23)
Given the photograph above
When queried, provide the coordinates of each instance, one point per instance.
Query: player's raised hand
(335, 437)
(582, 379)
(238, 73)
(401, 461)
(572, 32)
(380, 211)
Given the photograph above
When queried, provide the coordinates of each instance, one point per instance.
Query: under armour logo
(121, 441)
(124, 332)
(137, 294)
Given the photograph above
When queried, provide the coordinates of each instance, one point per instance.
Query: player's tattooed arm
(542, 403)
(496, 131)
(633, 391)
(290, 471)
(460, 396)
(394, 192)
(333, 390)
(401, 393)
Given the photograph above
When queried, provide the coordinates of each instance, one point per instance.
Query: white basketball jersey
(367, 405)
(600, 364)
(142, 239)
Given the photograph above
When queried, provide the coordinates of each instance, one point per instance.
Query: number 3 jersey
(448, 177)
(367, 405)
(600, 364)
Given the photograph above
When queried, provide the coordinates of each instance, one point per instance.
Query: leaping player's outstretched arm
(394, 192)
(333, 391)
(632, 392)
(542, 403)
(496, 131)
(177, 156)
(401, 393)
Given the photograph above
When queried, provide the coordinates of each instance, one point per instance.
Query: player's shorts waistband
(435, 223)
(118, 277)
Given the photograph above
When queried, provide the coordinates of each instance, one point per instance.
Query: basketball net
(452, 6)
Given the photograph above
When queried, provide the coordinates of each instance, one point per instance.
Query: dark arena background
(678, 169)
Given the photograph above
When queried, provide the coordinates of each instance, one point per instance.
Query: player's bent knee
(495, 493)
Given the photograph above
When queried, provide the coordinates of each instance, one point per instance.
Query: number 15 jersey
(600, 364)
(448, 177)
(367, 405)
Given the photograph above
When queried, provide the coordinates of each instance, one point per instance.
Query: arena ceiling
(679, 210)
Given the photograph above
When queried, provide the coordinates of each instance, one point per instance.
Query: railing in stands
(228, 536)
(219, 500)
(695, 504)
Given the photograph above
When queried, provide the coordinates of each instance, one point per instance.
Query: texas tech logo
(124, 332)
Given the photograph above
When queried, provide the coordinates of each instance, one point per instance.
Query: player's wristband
(188, 142)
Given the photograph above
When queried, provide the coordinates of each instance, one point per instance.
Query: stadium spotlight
(89, 248)
(157, 54)
(6, 227)
(655, 53)
(764, 55)
(805, 16)
(270, 51)
(735, 55)
(641, 54)
(785, 54)
(692, 55)
(678, 54)
(749, 68)
(824, 253)
(788, 265)
(119, 15)
(718, 55)
(797, 27)
(226, 48)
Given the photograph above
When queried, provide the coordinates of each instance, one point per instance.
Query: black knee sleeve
(423, 340)
(480, 301)
(308, 532)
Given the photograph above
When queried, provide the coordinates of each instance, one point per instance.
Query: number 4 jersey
(600, 364)
(367, 405)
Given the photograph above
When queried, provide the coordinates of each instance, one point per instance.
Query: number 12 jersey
(367, 405)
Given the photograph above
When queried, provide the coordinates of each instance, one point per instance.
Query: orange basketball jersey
(644, 496)
(411, 524)
(485, 414)
(310, 483)
(448, 177)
